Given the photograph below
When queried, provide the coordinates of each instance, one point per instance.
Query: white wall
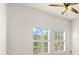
(75, 36)
(3, 29)
(22, 19)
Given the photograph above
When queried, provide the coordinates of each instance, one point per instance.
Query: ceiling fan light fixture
(67, 7)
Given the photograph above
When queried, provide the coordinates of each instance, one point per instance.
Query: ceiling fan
(67, 7)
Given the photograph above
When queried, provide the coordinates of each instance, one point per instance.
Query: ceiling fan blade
(73, 3)
(64, 11)
(74, 10)
(56, 5)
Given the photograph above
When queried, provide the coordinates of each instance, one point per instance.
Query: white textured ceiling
(56, 11)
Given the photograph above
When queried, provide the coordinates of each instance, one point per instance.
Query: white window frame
(42, 37)
(65, 41)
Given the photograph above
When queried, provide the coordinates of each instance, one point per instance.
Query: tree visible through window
(41, 41)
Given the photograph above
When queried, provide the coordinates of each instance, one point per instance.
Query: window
(41, 40)
(60, 41)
